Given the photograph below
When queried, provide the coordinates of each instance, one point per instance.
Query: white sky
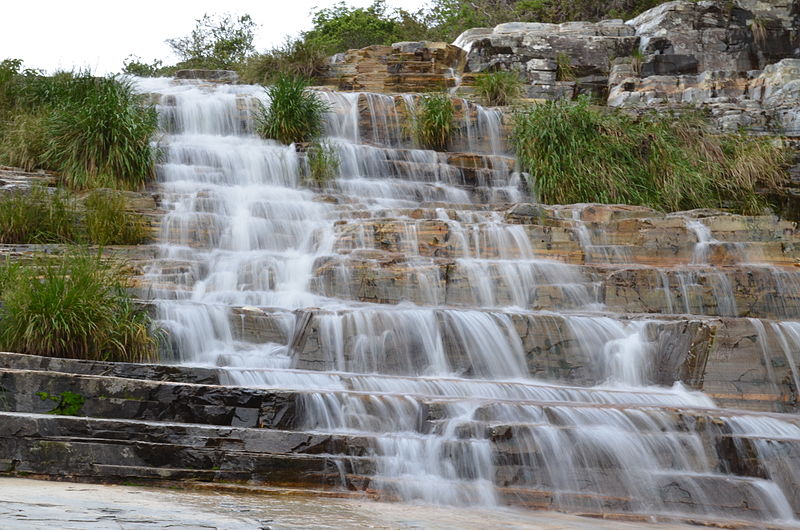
(62, 34)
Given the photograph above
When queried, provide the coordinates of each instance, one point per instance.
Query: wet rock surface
(29, 503)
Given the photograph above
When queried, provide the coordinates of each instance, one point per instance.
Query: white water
(434, 387)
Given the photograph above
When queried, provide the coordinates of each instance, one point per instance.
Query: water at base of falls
(444, 395)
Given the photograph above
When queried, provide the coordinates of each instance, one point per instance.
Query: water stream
(440, 382)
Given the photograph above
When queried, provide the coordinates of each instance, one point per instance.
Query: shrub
(341, 27)
(433, 121)
(74, 307)
(133, 65)
(216, 42)
(100, 136)
(499, 88)
(301, 58)
(294, 114)
(575, 153)
(323, 163)
(108, 222)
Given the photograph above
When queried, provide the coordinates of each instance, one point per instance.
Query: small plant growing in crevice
(499, 88)
(564, 69)
(294, 113)
(67, 403)
(323, 163)
(759, 28)
(637, 60)
(433, 121)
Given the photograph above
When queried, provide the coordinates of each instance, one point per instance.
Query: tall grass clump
(433, 121)
(74, 307)
(43, 215)
(107, 221)
(499, 88)
(576, 153)
(23, 142)
(323, 163)
(294, 114)
(93, 131)
(38, 216)
(99, 135)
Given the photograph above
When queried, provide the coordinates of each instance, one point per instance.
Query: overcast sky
(62, 34)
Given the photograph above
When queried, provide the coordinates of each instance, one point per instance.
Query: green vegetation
(499, 88)
(102, 137)
(216, 42)
(107, 220)
(433, 121)
(341, 27)
(227, 41)
(74, 306)
(294, 114)
(564, 69)
(576, 153)
(92, 131)
(37, 216)
(300, 58)
(323, 163)
(40, 215)
(133, 65)
(67, 403)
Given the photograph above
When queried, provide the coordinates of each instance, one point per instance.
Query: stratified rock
(766, 101)
(535, 50)
(403, 67)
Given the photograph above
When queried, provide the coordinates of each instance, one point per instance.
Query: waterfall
(444, 352)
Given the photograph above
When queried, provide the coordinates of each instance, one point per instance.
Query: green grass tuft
(73, 307)
(294, 114)
(323, 163)
(433, 121)
(499, 88)
(564, 69)
(576, 153)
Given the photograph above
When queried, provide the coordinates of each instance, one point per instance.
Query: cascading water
(446, 395)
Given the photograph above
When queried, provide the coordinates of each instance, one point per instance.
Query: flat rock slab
(26, 504)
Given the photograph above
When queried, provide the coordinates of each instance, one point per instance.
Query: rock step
(60, 455)
(102, 396)
(740, 362)
(113, 450)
